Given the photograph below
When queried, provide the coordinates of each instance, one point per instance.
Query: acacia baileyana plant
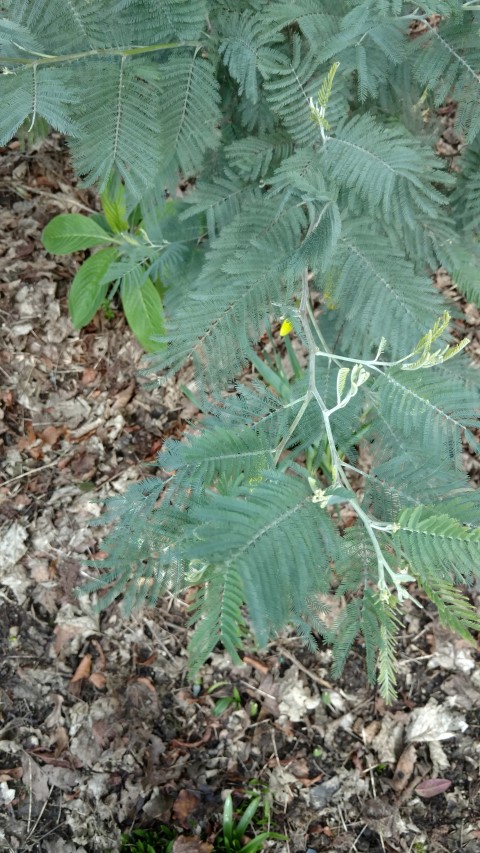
(307, 132)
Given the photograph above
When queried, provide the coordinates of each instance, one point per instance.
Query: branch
(52, 59)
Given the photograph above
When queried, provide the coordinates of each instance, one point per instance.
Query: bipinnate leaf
(72, 232)
(144, 311)
(87, 291)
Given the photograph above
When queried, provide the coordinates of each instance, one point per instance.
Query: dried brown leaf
(258, 665)
(185, 806)
(10, 773)
(124, 396)
(60, 739)
(148, 661)
(98, 679)
(103, 663)
(89, 375)
(404, 768)
(191, 844)
(146, 681)
(432, 787)
(51, 434)
(193, 744)
(83, 669)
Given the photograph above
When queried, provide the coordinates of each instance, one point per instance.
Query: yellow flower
(286, 328)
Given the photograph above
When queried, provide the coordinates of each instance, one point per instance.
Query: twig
(257, 690)
(30, 833)
(34, 470)
(321, 681)
(59, 202)
(354, 843)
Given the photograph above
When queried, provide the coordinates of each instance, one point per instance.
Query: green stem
(50, 59)
(295, 423)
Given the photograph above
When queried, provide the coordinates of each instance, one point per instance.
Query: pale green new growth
(427, 358)
(317, 111)
(303, 136)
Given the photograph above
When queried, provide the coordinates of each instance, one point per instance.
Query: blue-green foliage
(356, 206)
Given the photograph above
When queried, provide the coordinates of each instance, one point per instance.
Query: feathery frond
(278, 541)
(219, 322)
(447, 60)
(243, 46)
(120, 113)
(189, 110)
(467, 191)
(438, 412)
(85, 26)
(454, 609)
(221, 199)
(253, 157)
(385, 168)
(377, 293)
(200, 461)
(31, 93)
(292, 80)
(404, 481)
(437, 546)
(148, 21)
(141, 566)
(217, 617)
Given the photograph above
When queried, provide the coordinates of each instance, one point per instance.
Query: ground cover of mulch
(100, 729)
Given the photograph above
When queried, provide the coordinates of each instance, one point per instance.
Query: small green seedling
(233, 700)
(233, 838)
(120, 264)
(149, 840)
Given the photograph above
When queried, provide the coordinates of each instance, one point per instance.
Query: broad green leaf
(87, 293)
(114, 206)
(72, 232)
(144, 311)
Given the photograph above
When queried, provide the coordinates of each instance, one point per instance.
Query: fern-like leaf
(252, 157)
(189, 110)
(149, 21)
(140, 563)
(454, 609)
(246, 47)
(385, 168)
(218, 325)
(386, 614)
(199, 461)
(17, 39)
(437, 546)
(404, 481)
(444, 409)
(467, 192)
(345, 631)
(377, 293)
(85, 26)
(220, 200)
(279, 542)
(447, 60)
(317, 23)
(292, 81)
(120, 115)
(37, 92)
(217, 616)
